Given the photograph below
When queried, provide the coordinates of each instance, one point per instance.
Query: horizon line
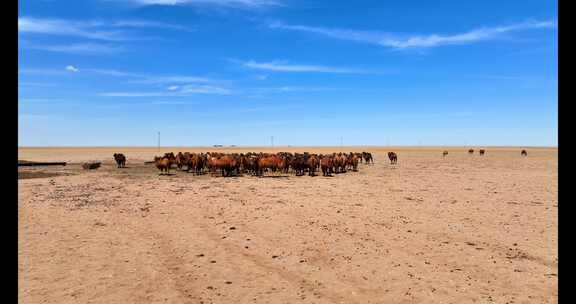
(294, 146)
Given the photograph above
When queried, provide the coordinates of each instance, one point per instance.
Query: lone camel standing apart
(120, 160)
(524, 153)
(444, 153)
(393, 157)
(482, 151)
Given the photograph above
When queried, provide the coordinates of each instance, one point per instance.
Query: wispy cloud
(98, 30)
(173, 103)
(52, 72)
(183, 91)
(150, 79)
(39, 100)
(204, 89)
(398, 41)
(261, 77)
(132, 77)
(114, 73)
(302, 89)
(36, 84)
(137, 94)
(71, 68)
(50, 102)
(283, 66)
(151, 24)
(270, 109)
(288, 89)
(78, 48)
(221, 3)
(171, 79)
(66, 28)
(497, 77)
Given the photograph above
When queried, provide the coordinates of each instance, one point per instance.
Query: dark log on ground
(31, 163)
(90, 166)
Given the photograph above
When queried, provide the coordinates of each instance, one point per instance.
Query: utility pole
(158, 141)
(341, 142)
(272, 141)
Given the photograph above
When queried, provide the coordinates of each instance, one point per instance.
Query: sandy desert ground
(459, 229)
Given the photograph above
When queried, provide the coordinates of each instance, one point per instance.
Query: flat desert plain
(430, 229)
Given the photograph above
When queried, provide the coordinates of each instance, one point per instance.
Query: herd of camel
(258, 163)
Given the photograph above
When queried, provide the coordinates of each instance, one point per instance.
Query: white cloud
(65, 28)
(135, 77)
(300, 89)
(36, 84)
(170, 79)
(150, 79)
(173, 88)
(71, 68)
(222, 3)
(173, 103)
(151, 24)
(185, 90)
(98, 30)
(78, 48)
(415, 41)
(288, 89)
(114, 73)
(136, 94)
(204, 89)
(280, 66)
(498, 77)
(38, 100)
(270, 109)
(42, 72)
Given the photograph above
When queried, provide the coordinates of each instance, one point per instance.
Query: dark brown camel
(393, 157)
(120, 160)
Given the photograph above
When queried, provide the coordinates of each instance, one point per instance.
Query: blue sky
(203, 72)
